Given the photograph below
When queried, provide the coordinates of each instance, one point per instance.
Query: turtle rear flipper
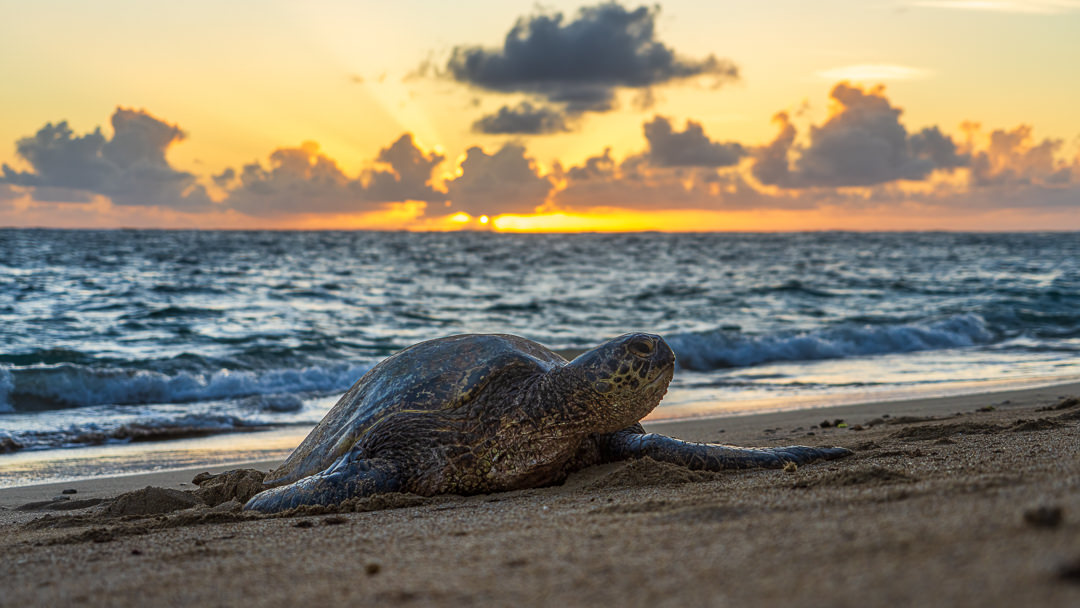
(634, 442)
(347, 479)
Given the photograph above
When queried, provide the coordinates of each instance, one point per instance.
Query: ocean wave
(9, 444)
(794, 286)
(68, 385)
(111, 432)
(6, 386)
(175, 312)
(724, 349)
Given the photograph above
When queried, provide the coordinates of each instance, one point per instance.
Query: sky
(562, 116)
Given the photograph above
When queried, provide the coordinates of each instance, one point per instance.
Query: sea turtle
(479, 413)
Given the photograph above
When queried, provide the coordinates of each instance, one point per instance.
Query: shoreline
(737, 429)
(284, 439)
(963, 501)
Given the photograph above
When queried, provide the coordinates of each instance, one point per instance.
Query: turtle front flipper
(348, 478)
(634, 442)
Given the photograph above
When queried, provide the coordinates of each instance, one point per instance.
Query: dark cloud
(578, 100)
(523, 119)
(130, 168)
(932, 144)
(580, 63)
(62, 159)
(687, 148)
(771, 164)
(679, 170)
(861, 144)
(54, 194)
(602, 166)
(303, 180)
(491, 184)
(636, 183)
(410, 175)
(298, 180)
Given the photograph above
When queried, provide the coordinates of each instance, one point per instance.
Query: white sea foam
(73, 385)
(720, 349)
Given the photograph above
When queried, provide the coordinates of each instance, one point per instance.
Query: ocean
(133, 350)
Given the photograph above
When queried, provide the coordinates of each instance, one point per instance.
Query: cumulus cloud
(507, 181)
(130, 168)
(689, 147)
(601, 166)
(410, 176)
(863, 143)
(637, 183)
(677, 170)
(1012, 158)
(578, 64)
(523, 119)
(298, 180)
(304, 180)
(771, 163)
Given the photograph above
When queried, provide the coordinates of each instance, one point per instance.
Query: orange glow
(675, 220)
(410, 216)
(910, 216)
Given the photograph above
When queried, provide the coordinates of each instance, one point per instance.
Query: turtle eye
(641, 347)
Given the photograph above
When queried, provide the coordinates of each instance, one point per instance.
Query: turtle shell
(436, 375)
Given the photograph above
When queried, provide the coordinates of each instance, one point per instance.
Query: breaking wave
(725, 348)
(69, 385)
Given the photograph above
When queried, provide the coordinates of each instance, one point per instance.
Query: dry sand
(962, 501)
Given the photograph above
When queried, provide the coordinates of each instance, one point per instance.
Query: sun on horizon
(577, 117)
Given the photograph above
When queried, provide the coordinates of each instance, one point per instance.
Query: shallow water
(115, 337)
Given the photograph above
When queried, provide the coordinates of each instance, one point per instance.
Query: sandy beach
(958, 501)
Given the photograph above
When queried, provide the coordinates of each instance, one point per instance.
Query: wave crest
(68, 385)
(723, 349)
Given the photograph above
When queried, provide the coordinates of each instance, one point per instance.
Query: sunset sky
(841, 114)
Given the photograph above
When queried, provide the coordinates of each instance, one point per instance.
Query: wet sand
(960, 501)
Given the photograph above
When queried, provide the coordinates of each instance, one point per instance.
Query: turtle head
(623, 379)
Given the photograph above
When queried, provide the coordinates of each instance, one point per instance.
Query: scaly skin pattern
(634, 443)
(438, 376)
(487, 413)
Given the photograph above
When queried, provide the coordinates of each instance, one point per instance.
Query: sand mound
(1038, 424)
(239, 485)
(1065, 404)
(649, 472)
(151, 501)
(1074, 415)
